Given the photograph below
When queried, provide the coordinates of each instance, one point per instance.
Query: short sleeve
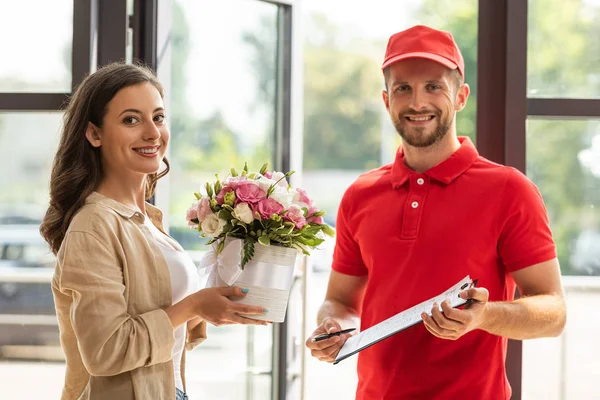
(525, 236)
(347, 258)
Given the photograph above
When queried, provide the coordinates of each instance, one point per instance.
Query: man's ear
(92, 133)
(462, 96)
(386, 99)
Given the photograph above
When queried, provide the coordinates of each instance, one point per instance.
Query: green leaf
(264, 240)
(248, 251)
(225, 214)
(233, 172)
(329, 231)
(209, 190)
(246, 167)
(302, 248)
(197, 195)
(220, 247)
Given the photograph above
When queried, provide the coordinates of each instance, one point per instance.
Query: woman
(124, 290)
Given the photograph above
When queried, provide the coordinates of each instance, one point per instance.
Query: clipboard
(403, 320)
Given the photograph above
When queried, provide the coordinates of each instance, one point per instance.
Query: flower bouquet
(257, 225)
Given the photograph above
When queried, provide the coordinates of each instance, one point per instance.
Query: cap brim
(428, 56)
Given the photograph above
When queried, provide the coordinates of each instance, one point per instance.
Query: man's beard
(415, 136)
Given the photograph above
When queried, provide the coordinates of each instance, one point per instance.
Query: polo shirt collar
(445, 172)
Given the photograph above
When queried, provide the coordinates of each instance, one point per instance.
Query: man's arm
(340, 310)
(540, 312)
(343, 299)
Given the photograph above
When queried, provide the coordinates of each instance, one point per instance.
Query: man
(409, 230)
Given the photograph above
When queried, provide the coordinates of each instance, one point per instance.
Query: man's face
(422, 99)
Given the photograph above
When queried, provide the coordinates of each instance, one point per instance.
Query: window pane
(37, 57)
(563, 160)
(563, 48)
(347, 130)
(222, 115)
(28, 325)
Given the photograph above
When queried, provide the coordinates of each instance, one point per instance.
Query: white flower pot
(268, 276)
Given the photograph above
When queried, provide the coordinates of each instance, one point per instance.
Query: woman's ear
(92, 133)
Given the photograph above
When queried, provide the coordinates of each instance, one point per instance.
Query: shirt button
(420, 181)
(415, 204)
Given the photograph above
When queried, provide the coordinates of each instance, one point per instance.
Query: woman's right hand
(213, 305)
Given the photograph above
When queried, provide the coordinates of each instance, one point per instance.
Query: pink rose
(268, 207)
(222, 193)
(235, 181)
(313, 219)
(302, 197)
(203, 209)
(190, 214)
(296, 215)
(249, 193)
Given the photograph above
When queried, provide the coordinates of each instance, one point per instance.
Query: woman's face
(134, 135)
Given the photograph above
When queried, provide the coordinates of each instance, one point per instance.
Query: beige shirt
(111, 286)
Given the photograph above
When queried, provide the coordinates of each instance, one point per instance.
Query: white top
(184, 281)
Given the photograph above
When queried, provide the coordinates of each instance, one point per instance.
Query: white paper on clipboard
(401, 321)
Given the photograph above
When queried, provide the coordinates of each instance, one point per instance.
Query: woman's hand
(214, 306)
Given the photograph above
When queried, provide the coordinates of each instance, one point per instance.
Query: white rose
(282, 196)
(296, 201)
(264, 183)
(277, 176)
(243, 212)
(213, 225)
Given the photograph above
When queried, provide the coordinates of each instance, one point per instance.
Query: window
(563, 51)
(32, 61)
(28, 325)
(222, 114)
(562, 160)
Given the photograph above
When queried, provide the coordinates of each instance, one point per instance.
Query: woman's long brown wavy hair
(77, 168)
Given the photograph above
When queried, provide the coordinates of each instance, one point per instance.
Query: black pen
(332, 334)
(473, 284)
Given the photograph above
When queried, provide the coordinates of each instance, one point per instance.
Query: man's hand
(326, 350)
(454, 323)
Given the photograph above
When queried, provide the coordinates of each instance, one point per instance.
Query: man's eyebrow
(437, 80)
(133, 110)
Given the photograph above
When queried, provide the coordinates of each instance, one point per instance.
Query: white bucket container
(268, 275)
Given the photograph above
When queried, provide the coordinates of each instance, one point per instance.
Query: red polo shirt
(415, 235)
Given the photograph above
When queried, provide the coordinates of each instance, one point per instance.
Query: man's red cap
(424, 42)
